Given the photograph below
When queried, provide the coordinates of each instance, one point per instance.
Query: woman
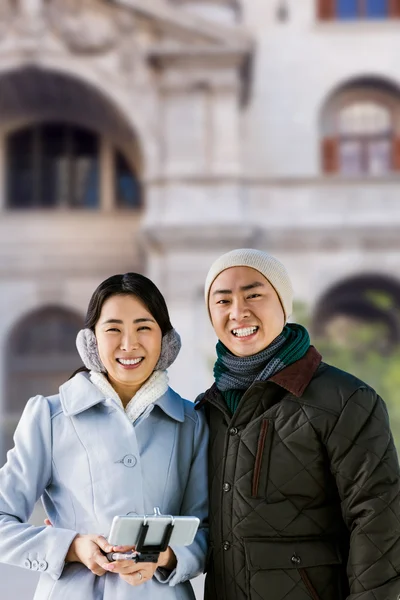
(116, 440)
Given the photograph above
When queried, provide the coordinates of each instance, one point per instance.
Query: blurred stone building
(153, 135)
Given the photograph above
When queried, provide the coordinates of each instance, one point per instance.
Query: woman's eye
(144, 328)
(223, 301)
(112, 329)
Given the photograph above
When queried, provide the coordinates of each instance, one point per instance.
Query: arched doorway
(40, 355)
(367, 299)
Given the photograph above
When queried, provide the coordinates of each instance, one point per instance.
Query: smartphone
(125, 530)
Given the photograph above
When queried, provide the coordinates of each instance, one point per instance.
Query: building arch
(40, 354)
(32, 99)
(360, 128)
(368, 298)
(101, 85)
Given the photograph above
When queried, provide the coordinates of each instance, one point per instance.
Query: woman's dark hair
(129, 284)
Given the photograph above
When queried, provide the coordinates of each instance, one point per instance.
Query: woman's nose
(129, 342)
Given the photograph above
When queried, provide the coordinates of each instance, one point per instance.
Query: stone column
(186, 108)
(202, 122)
(225, 125)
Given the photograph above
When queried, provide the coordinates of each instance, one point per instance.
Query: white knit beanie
(264, 263)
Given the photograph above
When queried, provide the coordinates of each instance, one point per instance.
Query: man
(304, 475)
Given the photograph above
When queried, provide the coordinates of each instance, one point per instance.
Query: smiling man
(303, 473)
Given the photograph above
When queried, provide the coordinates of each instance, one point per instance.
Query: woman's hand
(138, 573)
(86, 549)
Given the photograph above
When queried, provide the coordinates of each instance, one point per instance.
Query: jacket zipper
(259, 457)
(306, 580)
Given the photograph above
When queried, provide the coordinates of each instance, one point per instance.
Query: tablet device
(126, 529)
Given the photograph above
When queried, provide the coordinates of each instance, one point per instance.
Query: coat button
(296, 560)
(35, 565)
(27, 563)
(227, 487)
(43, 565)
(129, 460)
(233, 431)
(226, 545)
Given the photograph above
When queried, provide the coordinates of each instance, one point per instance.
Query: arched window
(346, 10)
(56, 165)
(365, 139)
(127, 186)
(41, 355)
(361, 129)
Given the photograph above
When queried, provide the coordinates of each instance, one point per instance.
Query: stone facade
(220, 107)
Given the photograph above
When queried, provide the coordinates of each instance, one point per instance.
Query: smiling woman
(116, 440)
(129, 343)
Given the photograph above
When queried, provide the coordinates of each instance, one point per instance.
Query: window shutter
(330, 155)
(326, 9)
(396, 154)
(394, 9)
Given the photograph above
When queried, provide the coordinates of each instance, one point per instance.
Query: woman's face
(129, 343)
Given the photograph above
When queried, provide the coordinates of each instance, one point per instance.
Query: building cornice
(172, 19)
(198, 55)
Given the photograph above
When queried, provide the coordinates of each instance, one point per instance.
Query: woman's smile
(130, 363)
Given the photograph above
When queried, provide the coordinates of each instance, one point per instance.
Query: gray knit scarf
(235, 374)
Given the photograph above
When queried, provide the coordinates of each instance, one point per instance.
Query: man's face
(245, 310)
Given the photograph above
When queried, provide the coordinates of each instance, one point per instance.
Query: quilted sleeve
(365, 465)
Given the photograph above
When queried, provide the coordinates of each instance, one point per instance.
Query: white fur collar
(151, 390)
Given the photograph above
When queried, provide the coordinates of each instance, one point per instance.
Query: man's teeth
(132, 361)
(244, 331)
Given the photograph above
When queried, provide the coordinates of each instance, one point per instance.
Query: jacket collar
(173, 405)
(79, 394)
(294, 379)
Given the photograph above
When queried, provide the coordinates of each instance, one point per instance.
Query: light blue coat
(79, 451)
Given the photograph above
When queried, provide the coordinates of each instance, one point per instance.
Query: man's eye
(254, 295)
(223, 301)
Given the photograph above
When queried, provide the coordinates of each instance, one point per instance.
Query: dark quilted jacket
(304, 490)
